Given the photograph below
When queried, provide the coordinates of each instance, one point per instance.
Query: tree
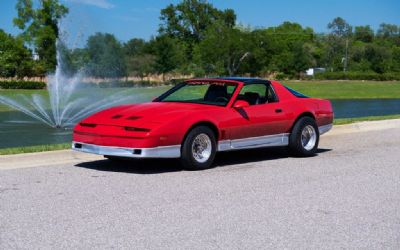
(79, 58)
(189, 19)
(363, 33)
(105, 56)
(340, 27)
(139, 62)
(141, 65)
(388, 30)
(379, 57)
(302, 58)
(134, 47)
(283, 48)
(40, 28)
(338, 43)
(224, 49)
(15, 58)
(169, 54)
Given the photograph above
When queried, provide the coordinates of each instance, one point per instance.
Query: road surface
(348, 196)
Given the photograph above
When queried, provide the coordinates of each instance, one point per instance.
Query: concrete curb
(52, 158)
(49, 158)
(365, 126)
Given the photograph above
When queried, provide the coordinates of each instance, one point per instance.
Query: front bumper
(156, 152)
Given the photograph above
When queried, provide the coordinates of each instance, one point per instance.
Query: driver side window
(257, 93)
(253, 93)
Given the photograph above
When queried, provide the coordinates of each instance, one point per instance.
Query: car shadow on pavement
(255, 155)
(157, 166)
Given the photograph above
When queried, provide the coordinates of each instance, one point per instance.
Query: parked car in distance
(200, 117)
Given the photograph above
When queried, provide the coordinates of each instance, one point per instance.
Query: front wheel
(303, 140)
(198, 149)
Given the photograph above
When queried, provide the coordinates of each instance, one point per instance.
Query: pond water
(350, 108)
(17, 129)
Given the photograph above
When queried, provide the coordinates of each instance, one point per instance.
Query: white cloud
(104, 4)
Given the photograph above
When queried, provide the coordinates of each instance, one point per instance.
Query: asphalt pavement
(348, 196)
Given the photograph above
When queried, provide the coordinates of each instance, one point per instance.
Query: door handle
(278, 110)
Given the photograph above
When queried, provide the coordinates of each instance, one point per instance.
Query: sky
(127, 19)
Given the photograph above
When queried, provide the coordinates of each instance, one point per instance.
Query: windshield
(211, 93)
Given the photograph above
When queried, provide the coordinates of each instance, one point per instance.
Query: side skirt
(263, 141)
(255, 142)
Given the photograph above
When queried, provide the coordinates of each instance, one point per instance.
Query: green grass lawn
(320, 89)
(31, 149)
(347, 89)
(342, 121)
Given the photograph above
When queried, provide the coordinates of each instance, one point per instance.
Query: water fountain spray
(63, 107)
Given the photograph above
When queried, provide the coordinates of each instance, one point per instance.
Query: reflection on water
(16, 129)
(28, 133)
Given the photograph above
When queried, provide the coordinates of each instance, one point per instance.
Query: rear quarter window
(295, 93)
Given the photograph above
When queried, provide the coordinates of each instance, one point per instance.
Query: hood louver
(116, 116)
(132, 118)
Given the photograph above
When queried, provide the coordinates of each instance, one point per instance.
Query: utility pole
(346, 55)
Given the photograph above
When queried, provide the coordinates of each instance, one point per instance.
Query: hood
(143, 114)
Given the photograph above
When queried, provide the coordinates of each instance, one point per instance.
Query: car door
(265, 115)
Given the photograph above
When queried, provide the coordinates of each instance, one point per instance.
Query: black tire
(187, 159)
(296, 146)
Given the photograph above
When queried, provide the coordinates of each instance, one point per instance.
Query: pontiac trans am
(199, 117)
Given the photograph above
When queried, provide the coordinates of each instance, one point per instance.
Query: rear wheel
(198, 149)
(303, 140)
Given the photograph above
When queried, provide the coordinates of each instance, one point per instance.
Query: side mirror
(154, 98)
(239, 104)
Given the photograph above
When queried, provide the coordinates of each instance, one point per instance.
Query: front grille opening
(77, 145)
(137, 151)
(137, 129)
(89, 125)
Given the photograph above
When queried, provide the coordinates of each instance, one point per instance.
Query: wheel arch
(208, 124)
(304, 114)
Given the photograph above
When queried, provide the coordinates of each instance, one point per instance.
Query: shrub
(126, 84)
(19, 84)
(357, 76)
(283, 76)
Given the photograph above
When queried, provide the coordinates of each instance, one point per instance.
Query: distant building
(313, 71)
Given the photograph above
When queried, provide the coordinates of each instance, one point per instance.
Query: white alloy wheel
(308, 137)
(201, 148)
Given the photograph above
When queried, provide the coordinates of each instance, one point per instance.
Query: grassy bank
(342, 121)
(53, 147)
(347, 89)
(31, 149)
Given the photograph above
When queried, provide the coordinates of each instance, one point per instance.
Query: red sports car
(199, 117)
